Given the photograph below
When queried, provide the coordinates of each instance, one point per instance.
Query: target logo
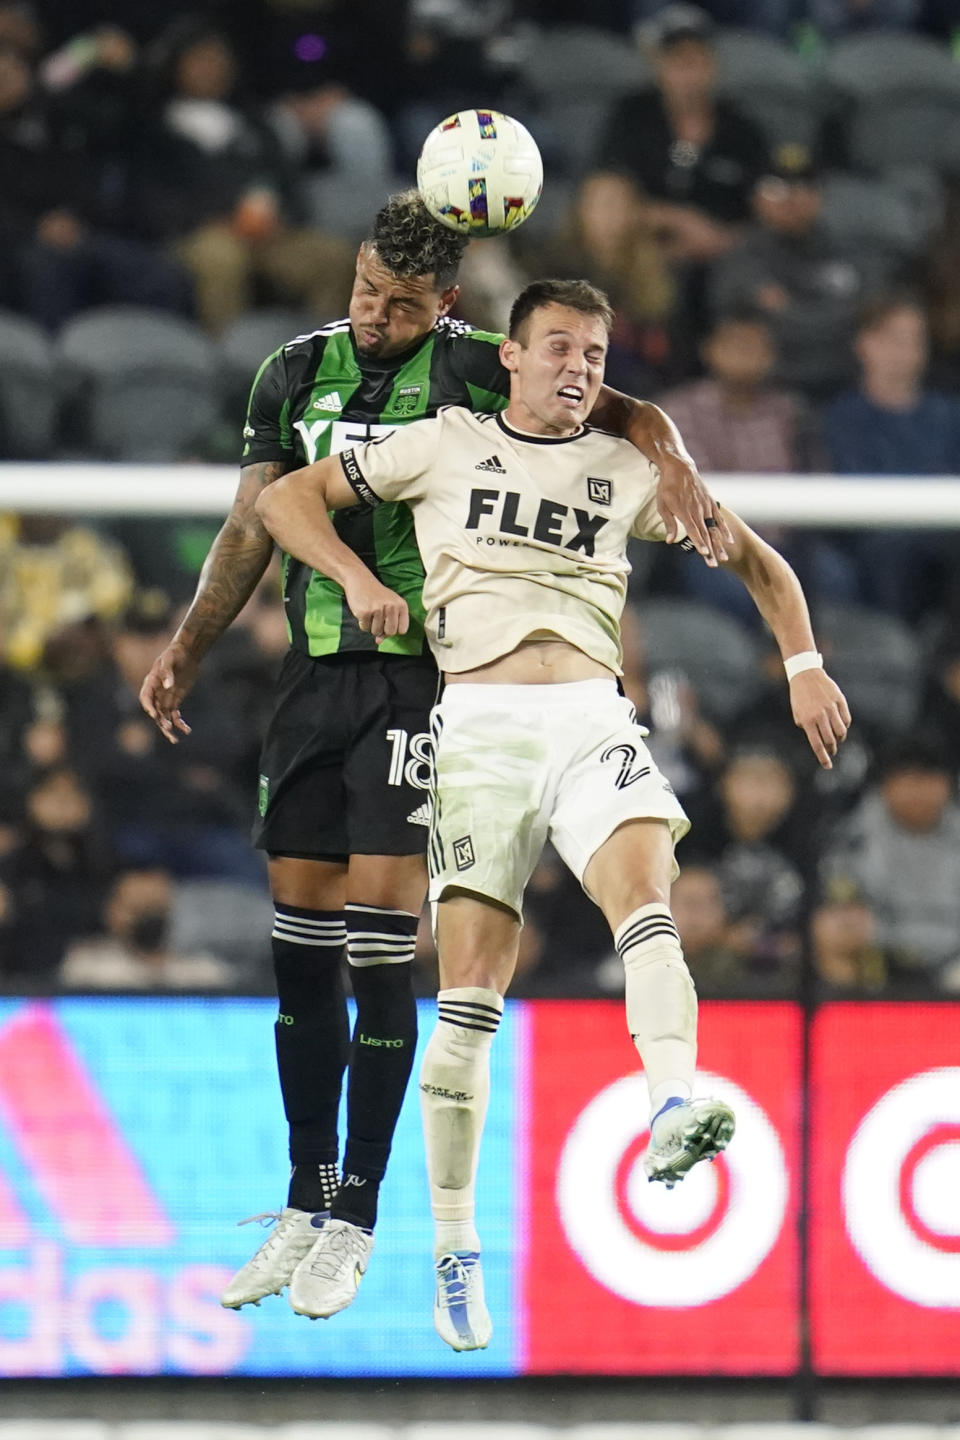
(624, 1276)
(900, 1187)
(682, 1247)
(885, 1239)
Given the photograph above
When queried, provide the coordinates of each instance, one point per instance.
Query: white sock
(665, 1091)
(660, 1000)
(454, 1091)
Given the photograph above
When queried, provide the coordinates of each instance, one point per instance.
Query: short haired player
(523, 519)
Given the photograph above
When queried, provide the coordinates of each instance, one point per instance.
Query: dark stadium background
(821, 1004)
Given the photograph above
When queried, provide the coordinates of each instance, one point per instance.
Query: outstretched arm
(295, 511)
(681, 493)
(231, 572)
(818, 705)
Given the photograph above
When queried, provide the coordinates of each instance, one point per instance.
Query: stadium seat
(572, 58)
(345, 205)
(899, 95)
(719, 657)
(897, 213)
(149, 380)
(571, 109)
(29, 390)
(904, 131)
(246, 343)
(883, 63)
(770, 83)
(876, 660)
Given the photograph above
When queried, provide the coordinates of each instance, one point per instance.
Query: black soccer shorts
(345, 764)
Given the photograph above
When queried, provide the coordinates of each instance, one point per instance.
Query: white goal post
(835, 501)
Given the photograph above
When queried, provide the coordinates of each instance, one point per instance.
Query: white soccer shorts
(516, 765)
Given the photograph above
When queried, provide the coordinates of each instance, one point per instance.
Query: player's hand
(682, 496)
(172, 676)
(821, 711)
(376, 609)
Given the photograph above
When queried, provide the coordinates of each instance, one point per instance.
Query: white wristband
(805, 660)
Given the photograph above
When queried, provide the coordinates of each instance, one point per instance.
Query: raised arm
(681, 493)
(818, 705)
(231, 572)
(295, 511)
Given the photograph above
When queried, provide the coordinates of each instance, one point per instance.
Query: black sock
(312, 1187)
(313, 1038)
(381, 1055)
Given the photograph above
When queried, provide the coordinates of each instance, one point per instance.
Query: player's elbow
(271, 505)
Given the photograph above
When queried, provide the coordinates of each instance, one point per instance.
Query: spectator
(133, 952)
(58, 258)
(753, 837)
(343, 148)
(719, 968)
(846, 957)
(892, 425)
(212, 179)
(686, 747)
(689, 150)
(53, 573)
(735, 419)
(810, 286)
(454, 48)
(16, 713)
(187, 818)
(766, 723)
(942, 289)
(20, 27)
(898, 854)
(940, 706)
(490, 279)
(608, 236)
(58, 875)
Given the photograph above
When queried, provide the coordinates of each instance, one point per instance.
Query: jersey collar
(538, 439)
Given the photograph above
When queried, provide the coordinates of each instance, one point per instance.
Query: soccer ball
(480, 173)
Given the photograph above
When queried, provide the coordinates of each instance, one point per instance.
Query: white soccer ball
(480, 173)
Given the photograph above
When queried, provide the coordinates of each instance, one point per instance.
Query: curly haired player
(343, 801)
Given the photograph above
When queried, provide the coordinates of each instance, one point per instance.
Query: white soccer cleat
(684, 1135)
(460, 1314)
(328, 1278)
(272, 1266)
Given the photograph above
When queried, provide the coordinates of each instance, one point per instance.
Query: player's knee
(386, 1006)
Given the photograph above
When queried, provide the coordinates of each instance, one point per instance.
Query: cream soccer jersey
(519, 534)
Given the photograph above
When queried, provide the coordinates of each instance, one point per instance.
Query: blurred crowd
(769, 190)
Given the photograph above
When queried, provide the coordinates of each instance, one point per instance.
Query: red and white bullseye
(683, 1247)
(900, 1183)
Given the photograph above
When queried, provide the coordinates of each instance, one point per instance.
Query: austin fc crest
(405, 401)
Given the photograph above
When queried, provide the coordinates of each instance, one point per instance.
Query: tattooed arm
(237, 560)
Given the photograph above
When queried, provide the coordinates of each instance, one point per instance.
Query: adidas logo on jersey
(420, 816)
(329, 402)
(491, 465)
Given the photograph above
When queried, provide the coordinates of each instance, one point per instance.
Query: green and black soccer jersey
(315, 397)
